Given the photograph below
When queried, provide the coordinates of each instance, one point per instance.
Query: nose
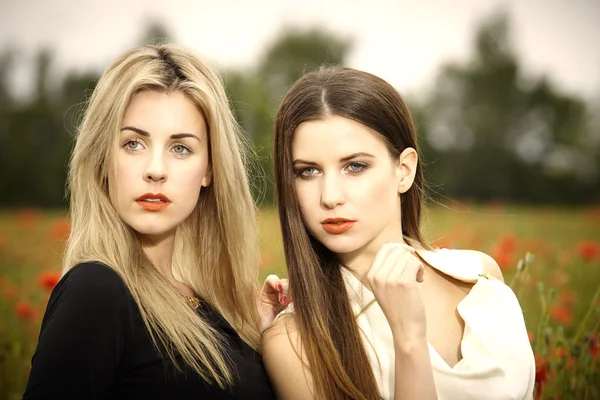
(332, 191)
(156, 169)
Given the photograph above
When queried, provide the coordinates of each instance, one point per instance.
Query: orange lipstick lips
(337, 226)
(153, 202)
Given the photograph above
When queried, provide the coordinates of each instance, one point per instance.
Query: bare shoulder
(490, 266)
(285, 360)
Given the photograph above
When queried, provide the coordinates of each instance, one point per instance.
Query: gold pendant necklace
(192, 301)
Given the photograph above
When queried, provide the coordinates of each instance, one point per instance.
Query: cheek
(377, 190)
(308, 197)
(121, 180)
(189, 178)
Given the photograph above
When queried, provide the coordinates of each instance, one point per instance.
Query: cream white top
(497, 361)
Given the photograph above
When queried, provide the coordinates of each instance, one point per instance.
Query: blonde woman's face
(162, 162)
(347, 185)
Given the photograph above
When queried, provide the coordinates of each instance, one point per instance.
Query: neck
(159, 250)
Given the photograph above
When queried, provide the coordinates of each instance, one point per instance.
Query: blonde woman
(158, 297)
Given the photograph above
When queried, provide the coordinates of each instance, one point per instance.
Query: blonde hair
(216, 247)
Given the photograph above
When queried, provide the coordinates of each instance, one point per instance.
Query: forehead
(164, 112)
(332, 137)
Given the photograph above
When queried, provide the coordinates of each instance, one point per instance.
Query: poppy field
(549, 256)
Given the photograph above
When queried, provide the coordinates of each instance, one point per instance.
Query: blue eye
(305, 173)
(308, 171)
(181, 149)
(356, 167)
(132, 145)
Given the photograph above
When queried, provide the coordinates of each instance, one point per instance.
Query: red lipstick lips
(153, 202)
(337, 226)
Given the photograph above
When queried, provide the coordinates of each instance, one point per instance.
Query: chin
(340, 244)
(152, 228)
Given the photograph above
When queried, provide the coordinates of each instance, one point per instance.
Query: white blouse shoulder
(498, 361)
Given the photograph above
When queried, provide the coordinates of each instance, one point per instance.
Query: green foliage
(487, 131)
(255, 95)
(296, 52)
(497, 134)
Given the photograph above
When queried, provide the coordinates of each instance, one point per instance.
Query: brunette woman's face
(348, 185)
(162, 162)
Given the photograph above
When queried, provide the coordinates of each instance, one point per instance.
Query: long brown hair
(330, 336)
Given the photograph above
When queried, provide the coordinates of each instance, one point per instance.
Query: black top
(94, 345)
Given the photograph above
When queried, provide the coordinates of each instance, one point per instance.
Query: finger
(380, 257)
(284, 295)
(284, 286)
(408, 248)
(272, 285)
(421, 271)
(414, 270)
(394, 264)
(400, 267)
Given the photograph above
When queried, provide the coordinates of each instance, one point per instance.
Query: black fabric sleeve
(82, 338)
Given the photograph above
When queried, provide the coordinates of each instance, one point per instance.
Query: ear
(207, 176)
(406, 169)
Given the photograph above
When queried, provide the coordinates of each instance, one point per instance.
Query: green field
(558, 289)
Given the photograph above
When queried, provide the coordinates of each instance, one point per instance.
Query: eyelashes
(127, 145)
(136, 145)
(353, 168)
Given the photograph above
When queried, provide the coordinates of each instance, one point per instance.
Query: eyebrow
(147, 134)
(343, 159)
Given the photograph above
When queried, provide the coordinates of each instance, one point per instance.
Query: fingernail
(278, 287)
(283, 300)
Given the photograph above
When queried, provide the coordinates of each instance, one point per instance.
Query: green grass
(31, 244)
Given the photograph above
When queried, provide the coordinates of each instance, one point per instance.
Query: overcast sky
(404, 42)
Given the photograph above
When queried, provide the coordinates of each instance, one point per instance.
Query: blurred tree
(6, 108)
(32, 153)
(7, 58)
(36, 136)
(155, 33)
(295, 52)
(255, 95)
(504, 136)
(487, 130)
(253, 111)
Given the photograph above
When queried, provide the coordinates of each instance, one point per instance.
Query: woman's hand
(271, 299)
(393, 277)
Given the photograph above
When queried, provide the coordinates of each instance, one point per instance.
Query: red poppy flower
(560, 314)
(593, 346)
(504, 259)
(541, 374)
(508, 243)
(561, 352)
(588, 250)
(26, 311)
(49, 279)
